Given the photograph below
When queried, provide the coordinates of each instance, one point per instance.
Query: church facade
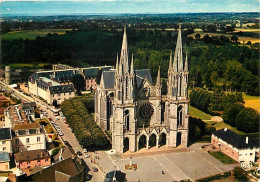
(132, 108)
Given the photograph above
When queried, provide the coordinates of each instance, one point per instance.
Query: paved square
(177, 166)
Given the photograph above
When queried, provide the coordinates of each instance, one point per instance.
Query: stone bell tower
(177, 102)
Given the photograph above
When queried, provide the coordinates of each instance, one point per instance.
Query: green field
(31, 34)
(198, 113)
(223, 158)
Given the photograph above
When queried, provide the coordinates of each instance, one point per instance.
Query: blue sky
(48, 7)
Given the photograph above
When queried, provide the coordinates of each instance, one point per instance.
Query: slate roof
(4, 157)
(109, 78)
(93, 71)
(5, 134)
(61, 89)
(233, 139)
(31, 155)
(145, 73)
(140, 76)
(68, 166)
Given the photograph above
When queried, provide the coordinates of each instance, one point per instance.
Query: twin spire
(177, 64)
(122, 67)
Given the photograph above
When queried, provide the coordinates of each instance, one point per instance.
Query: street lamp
(114, 178)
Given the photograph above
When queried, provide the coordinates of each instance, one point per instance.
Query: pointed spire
(158, 79)
(124, 54)
(178, 61)
(132, 66)
(170, 63)
(186, 63)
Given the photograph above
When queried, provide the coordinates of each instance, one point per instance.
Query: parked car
(85, 150)
(79, 153)
(87, 155)
(67, 143)
(95, 169)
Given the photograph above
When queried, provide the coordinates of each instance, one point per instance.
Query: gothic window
(126, 88)
(146, 111)
(180, 116)
(127, 120)
(180, 90)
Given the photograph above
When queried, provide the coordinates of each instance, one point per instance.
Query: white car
(85, 150)
(87, 155)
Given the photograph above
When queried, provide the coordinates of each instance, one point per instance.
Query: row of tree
(229, 67)
(213, 101)
(245, 119)
(88, 133)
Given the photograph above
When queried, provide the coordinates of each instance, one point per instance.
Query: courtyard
(174, 165)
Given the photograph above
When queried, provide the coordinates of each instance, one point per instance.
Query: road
(68, 135)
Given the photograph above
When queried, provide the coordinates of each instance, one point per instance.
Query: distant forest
(213, 62)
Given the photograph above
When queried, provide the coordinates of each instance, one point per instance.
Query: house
(90, 75)
(32, 158)
(68, 170)
(4, 161)
(238, 147)
(29, 136)
(5, 140)
(18, 114)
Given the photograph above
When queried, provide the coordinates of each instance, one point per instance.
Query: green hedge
(88, 133)
(215, 177)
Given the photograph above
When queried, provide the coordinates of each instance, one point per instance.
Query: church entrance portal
(162, 139)
(152, 140)
(142, 142)
(178, 139)
(126, 144)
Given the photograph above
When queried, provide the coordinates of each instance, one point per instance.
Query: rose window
(146, 111)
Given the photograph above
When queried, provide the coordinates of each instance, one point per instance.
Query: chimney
(225, 129)
(247, 140)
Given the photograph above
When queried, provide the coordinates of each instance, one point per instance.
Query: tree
(78, 82)
(249, 43)
(197, 36)
(230, 113)
(240, 174)
(248, 120)
(234, 38)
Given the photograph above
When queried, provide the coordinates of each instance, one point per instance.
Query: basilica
(130, 106)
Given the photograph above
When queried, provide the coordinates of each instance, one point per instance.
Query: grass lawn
(31, 34)
(198, 113)
(48, 127)
(223, 158)
(222, 125)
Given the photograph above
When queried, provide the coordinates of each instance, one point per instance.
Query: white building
(238, 147)
(52, 85)
(28, 137)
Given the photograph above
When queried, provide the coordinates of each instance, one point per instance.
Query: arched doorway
(178, 139)
(126, 144)
(142, 142)
(152, 140)
(162, 139)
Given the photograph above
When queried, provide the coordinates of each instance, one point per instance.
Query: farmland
(253, 102)
(31, 34)
(249, 35)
